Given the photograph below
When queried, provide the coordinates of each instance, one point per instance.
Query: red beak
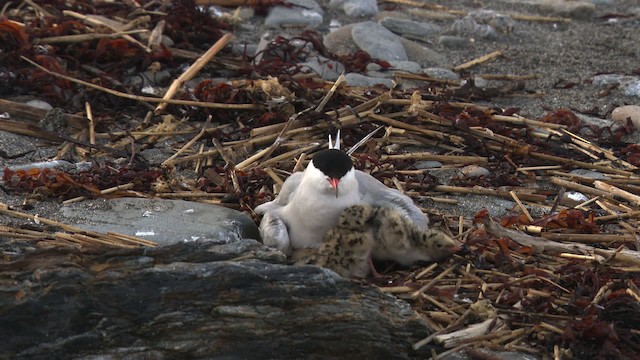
(334, 184)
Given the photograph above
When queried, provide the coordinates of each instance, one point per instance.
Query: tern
(363, 232)
(310, 202)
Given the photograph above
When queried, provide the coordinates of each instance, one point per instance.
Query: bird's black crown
(332, 162)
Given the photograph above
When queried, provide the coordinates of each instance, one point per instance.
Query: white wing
(288, 188)
(375, 193)
(274, 232)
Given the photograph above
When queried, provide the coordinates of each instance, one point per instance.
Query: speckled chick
(400, 240)
(382, 233)
(347, 247)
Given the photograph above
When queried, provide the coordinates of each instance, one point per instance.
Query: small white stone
(627, 111)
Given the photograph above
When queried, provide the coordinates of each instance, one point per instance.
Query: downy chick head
(434, 245)
(331, 171)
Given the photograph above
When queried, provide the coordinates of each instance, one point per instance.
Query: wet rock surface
(196, 301)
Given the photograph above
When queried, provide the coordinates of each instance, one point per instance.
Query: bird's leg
(372, 268)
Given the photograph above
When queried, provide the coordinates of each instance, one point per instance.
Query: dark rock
(194, 301)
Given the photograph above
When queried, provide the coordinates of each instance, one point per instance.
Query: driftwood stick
(95, 20)
(635, 199)
(544, 245)
(478, 61)
(454, 159)
(84, 37)
(193, 70)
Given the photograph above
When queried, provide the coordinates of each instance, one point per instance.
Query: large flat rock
(163, 221)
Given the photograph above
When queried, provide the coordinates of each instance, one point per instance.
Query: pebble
(410, 29)
(376, 71)
(407, 66)
(306, 13)
(588, 174)
(500, 22)
(606, 80)
(569, 8)
(340, 42)
(355, 79)
(469, 27)
(328, 69)
(627, 111)
(422, 55)
(379, 42)
(453, 41)
(356, 8)
(632, 88)
(576, 9)
(441, 73)
(472, 171)
(39, 104)
(427, 164)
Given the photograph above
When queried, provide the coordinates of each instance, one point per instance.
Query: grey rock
(163, 221)
(441, 73)
(453, 42)
(411, 29)
(379, 42)
(567, 8)
(195, 301)
(340, 42)
(422, 55)
(356, 8)
(13, 145)
(354, 79)
(469, 27)
(408, 66)
(606, 80)
(427, 164)
(632, 88)
(148, 78)
(375, 70)
(328, 69)
(588, 174)
(306, 13)
(500, 22)
(39, 104)
(391, 14)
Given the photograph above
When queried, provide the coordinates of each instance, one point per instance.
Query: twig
(193, 70)
(477, 61)
(143, 98)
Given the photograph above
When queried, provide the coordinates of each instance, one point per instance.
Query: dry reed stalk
(193, 70)
(588, 238)
(189, 143)
(434, 281)
(615, 191)
(143, 98)
(581, 188)
(627, 215)
(524, 210)
(84, 37)
(477, 61)
(524, 121)
(431, 133)
(190, 194)
(486, 191)
(451, 159)
(101, 21)
(288, 155)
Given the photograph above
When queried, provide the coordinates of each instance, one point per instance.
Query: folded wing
(375, 193)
